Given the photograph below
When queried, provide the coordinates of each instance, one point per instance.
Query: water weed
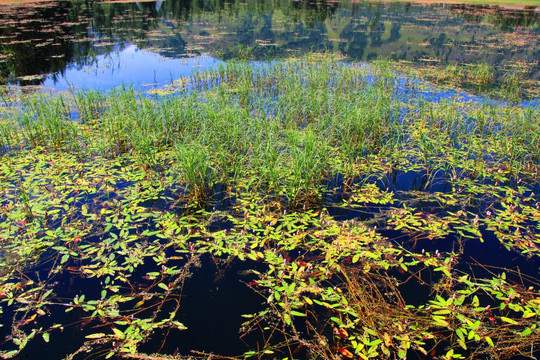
(368, 219)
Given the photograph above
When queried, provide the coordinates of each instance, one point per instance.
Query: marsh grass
(509, 81)
(259, 119)
(274, 121)
(197, 169)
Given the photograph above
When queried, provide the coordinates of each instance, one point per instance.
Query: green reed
(307, 166)
(89, 105)
(255, 120)
(44, 121)
(482, 76)
(197, 168)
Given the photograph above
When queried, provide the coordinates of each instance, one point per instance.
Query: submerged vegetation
(370, 216)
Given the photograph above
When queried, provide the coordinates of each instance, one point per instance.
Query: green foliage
(121, 199)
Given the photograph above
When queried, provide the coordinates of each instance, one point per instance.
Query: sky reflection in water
(129, 66)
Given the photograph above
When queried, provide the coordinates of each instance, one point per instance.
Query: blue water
(145, 70)
(142, 69)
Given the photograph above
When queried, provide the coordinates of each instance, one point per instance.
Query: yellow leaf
(510, 321)
(118, 333)
(440, 321)
(308, 300)
(387, 339)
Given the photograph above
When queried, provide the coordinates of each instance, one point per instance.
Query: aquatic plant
(361, 218)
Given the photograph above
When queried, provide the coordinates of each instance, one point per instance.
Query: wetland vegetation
(369, 221)
(309, 207)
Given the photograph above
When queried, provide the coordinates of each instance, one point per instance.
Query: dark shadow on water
(214, 299)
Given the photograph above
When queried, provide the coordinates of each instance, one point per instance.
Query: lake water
(99, 45)
(64, 45)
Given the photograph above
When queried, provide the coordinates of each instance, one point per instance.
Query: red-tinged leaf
(297, 349)
(29, 320)
(342, 333)
(163, 286)
(345, 352)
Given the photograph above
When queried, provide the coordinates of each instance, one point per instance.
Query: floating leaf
(297, 313)
(287, 318)
(508, 320)
(345, 352)
(163, 286)
(119, 334)
(308, 300)
(342, 333)
(10, 354)
(440, 320)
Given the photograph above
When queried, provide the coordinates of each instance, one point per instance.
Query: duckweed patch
(353, 216)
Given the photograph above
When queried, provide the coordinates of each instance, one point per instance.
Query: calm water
(75, 44)
(100, 45)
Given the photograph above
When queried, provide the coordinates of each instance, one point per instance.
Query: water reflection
(58, 43)
(131, 65)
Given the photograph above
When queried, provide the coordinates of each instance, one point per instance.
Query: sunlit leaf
(508, 320)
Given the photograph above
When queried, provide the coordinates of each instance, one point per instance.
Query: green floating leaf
(287, 319)
(10, 354)
(119, 334)
(163, 286)
(440, 320)
(297, 313)
(508, 320)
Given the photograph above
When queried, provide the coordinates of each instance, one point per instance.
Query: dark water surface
(99, 45)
